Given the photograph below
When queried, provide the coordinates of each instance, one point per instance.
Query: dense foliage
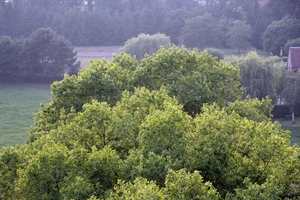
(279, 32)
(120, 130)
(44, 53)
(200, 31)
(291, 43)
(146, 44)
(291, 89)
(239, 35)
(170, 125)
(10, 57)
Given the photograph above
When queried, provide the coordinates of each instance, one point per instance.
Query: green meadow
(293, 127)
(18, 103)
(85, 54)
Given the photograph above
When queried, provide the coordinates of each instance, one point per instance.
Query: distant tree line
(43, 54)
(113, 22)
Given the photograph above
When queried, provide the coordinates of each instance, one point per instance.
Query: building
(294, 59)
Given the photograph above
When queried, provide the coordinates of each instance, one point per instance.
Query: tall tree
(10, 58)
(193, 78)
(276, 9)
(200, 31)
(259, 27)
(257, 76)
(239, 35)
(50, 54)
(174, 22)
(279, 32)
(291, 90)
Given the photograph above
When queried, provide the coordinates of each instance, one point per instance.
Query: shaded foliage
(279, 32)
(291, 43)
(43, 54)
(238, 36)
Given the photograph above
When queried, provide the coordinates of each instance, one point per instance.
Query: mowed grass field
(294, 128)
(85, 54)
(18, 103)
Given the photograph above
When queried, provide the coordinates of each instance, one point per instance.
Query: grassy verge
(294, 128)
(85, 54)
(18, 103)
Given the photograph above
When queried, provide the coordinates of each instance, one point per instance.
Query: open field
(84, 54)
(18, 103)
(294, 128)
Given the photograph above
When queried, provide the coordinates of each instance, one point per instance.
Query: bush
(281, 110)
(146, 44)
(218, 54)
(284, 59)
(291, 43)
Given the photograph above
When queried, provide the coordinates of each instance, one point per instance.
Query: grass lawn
(18, 103)
(294, 128)
(84, 54)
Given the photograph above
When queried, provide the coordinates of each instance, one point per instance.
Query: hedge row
(282, 110)
(31, 79)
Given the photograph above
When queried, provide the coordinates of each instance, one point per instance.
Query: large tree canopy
(146, 146)
(279, 32)
(11, 66)
(200, 31)
(43, 54)
(120, 130)
(259, 76)
(239, 35)
(193, 78)
(49, 54)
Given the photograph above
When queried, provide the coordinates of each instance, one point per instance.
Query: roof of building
(294, 58)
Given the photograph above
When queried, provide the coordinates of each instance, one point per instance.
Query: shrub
(218, 54)
(146, 44)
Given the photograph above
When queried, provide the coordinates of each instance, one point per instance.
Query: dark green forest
(100, 22)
